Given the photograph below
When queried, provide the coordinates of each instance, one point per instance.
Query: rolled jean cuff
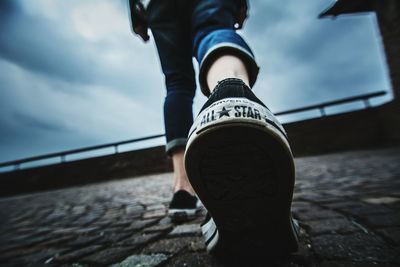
(173, 144)
(234, 46)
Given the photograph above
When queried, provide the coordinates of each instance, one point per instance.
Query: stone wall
(115, 166)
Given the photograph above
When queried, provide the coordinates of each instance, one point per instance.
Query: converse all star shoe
(239, 162)
(183, 206)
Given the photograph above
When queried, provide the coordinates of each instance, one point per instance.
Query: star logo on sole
(224, 112)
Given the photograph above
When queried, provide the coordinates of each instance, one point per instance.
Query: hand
(139, 19)
(142, 31)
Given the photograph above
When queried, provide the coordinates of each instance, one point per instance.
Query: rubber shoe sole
(242, 169)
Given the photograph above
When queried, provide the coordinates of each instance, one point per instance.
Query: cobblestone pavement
(348, 205)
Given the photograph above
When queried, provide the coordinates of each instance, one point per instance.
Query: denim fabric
(223, 41)
(183, 29)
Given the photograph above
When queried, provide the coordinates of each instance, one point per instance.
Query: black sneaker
(183, 206)
(239, 162)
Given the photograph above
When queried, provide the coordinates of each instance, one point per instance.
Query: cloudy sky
(72, 74)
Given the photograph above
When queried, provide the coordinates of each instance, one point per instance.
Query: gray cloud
(8, 7)
(35, 124)
(36, 45)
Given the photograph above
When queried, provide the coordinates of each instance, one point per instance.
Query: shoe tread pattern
(242, 185)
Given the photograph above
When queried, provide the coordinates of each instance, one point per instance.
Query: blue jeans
(183, 29)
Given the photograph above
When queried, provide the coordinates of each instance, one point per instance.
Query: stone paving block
(102, 223)
(142, 261)
(139, 224)
(394, 206)
(365, 210)
(123, 222)
(140, 239)
(308, 196)
(193, 260)
(74, 265)
(14, 241)
(10, 264)
(76, 254)
(113, 237)
(197, 244)
(154, 214)
(65, 230)
(19, 225)
(340, 204)
(55, 241)
(332, 226)
(134, 209)
(21, 218)
(316, 213)
(300, 206)
(357, 208)
(23, 243)
(353, 247)
(78, 210)
(81, 241)
(109, 256)
(170, 246)
(153, 200)
(32, 229)
(381, 200)
(186, 229)
(41, 214)
(165, 221)
(87, 230)
(158, 228)
(354, 264)
(391, 233)
(29, 247)
(388, 219)
(155, 207)
(37, 258)
(336, 198)
(86, 219)
(112, 214)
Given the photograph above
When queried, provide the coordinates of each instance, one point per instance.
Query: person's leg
(178, 118)
(174, 49)
(220, 51)
(181, 181)
(173, 42)
(226, 66)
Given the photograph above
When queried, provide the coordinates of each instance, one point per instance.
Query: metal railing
(62, 155)
(365, 98)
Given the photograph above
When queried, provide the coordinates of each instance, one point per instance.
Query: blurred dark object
(347, 7)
